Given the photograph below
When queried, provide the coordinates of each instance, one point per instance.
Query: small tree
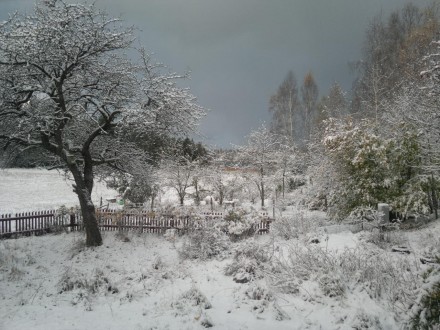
(178, 173)
(66, 87)
(287, 160)
(224, 184)
(259, 155)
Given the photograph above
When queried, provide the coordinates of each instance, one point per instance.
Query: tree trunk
(197, 194)
(434, 197)
(262, 185)
(153, 197)
(220, 197)
(284, 182)
(93, 236)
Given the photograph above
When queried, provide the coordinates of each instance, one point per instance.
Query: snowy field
(300, 276)
(40, 189)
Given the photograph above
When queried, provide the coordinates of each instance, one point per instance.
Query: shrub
(425, 313)
(364, 321)
(294, 225)
(284, 227)
(256, 292)
(204, 243)
(331, 285)
(239, 224)
(248, 262)
(91, 283)
(380, 275)
(370, 168)
(194, 297)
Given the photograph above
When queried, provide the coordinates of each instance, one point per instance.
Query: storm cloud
(240, 51)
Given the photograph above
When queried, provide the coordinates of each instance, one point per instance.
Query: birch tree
(284, 107)
(309, 95)
(66, 87)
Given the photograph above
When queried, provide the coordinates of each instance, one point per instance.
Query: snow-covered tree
(287, 160)
(259, 155)
(178, 173)
(224, 184)
(67, 87)
(371, 168)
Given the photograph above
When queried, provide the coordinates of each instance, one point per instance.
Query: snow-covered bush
(362, 320)
(385, 237)
(193, 297)
(15, 259)
(284, 227)
(249, 261)
(371, 169)
(295, 264)
(90, 283)
(425, 313)
(239, 224)
(204, 243)
(15, 273)
(260, 298)
(288, 227)
(331, 285)
(380, 275)
(157, 263)
(171, 235)
(257, 292)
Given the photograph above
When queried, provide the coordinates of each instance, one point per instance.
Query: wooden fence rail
(28, 223)
(42, 222)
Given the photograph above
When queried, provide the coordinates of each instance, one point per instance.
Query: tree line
(377, 142)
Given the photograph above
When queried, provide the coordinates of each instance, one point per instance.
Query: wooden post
(273, 209)
(72, 222)
(384, 212)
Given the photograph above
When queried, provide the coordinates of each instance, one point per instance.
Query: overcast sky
(239, 51)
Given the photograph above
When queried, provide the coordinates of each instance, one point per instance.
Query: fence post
(384, 212)
(273, 208)
(72, 222)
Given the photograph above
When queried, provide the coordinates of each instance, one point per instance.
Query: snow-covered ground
(140, 282)
(40, 189)
(303, 278)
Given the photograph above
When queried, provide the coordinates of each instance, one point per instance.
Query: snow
(32, 271)
(40, 189)
(139, 281)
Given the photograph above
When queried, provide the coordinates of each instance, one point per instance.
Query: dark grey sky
(239, 51)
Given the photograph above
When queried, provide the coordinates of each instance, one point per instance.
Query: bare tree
(284, 107)
(258, 154)
(333, 105)
(309, 94)
(391, 59)
(66, 87)
(178, 172)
